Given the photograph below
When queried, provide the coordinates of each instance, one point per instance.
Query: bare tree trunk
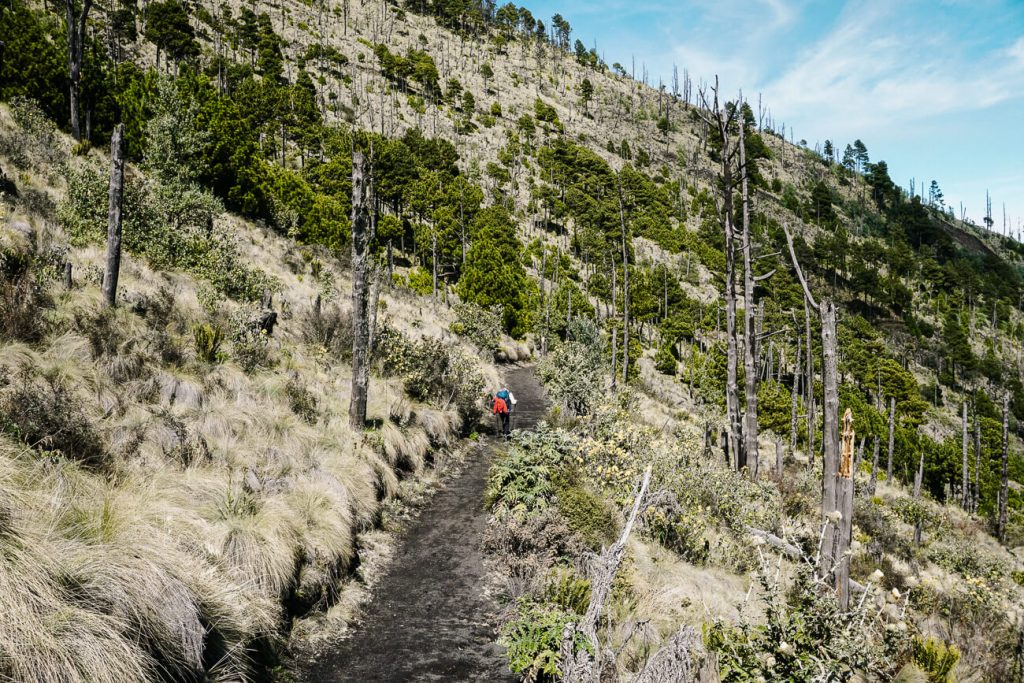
(965, 485)
(809, 387)
(874, 469)
(615, 354)
(76, 19)
(1004, 486)
(892, 438)
(363, 226)
(114, 212)
(830, 422)
(977, 461)
(844, 505)
(625, 292)
(795, 399)
(750, 328)
(918, 479)
(779, 459)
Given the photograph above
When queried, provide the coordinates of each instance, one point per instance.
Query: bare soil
(431, 618)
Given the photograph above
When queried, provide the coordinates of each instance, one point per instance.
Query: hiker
(508, 399)
(500, 408)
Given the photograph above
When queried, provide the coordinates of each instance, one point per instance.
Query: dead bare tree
(832, 534)
(795, 399)
(892, 437)
(723, 120)
(844, 504)
(751, 328)
(114, 214)
(76, 15)
(625, 288)
(874, 469)
(965, 486)
(1004, 485)
(363, 228)
(582, 667)
(809, 407)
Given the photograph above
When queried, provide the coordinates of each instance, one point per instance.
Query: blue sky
(936, 89)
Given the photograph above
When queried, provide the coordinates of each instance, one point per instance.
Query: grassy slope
(223, 501)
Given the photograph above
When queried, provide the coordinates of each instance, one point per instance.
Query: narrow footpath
(429, 618)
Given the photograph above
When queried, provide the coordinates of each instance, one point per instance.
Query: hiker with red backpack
(502, 405)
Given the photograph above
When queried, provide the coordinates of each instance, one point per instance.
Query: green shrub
(421, 281)
(587, 514)
(481, 326)
(571, 373)
(208, 339)
(532, 640)
(682, 532)
(42, 412)
(665, 361)
(433, 371)
(301, 401)
(22, 297)
(936, 659)
(520, 479)
(567, 590)
(805, 634)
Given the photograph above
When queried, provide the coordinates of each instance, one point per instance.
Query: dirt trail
(429, 619)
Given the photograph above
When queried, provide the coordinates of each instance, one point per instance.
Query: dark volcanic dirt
(429, 618)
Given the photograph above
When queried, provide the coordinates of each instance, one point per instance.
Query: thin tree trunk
(892, 438)
(844, 505)
(779, 459)
(795, 399)
(750, 328)
(76, 38)
(809, 387)
(830, 423)
(874, 469)
(965, 485)
(918, 479)
(625, 292)
(615, 354)
(114, 212)
(1004, 486)
(977, 461)
(363, 226)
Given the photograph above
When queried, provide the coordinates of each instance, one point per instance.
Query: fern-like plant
(936, 659)
(208, 339)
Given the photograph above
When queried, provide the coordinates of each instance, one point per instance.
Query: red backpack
(499, 407)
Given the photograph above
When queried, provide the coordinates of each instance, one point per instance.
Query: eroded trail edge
(430, 617)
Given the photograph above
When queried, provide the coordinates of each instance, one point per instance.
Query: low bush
(208, 340)
(532, 640)
(22, 297)
(571, 373)
(481, 326)
(301, 401)
(806, 637)
(588, 514)
(331, 329)
(936, 659)
(433, 371)
(43, 413)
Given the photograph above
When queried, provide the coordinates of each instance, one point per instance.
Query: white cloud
(875, 70)
(1016, 51)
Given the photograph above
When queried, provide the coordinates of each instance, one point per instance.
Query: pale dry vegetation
(170, 501)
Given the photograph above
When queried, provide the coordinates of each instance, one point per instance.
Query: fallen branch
(579, 667)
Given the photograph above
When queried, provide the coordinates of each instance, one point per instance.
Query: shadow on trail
(429, 618)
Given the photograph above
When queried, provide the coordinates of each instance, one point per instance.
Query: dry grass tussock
(164, 515)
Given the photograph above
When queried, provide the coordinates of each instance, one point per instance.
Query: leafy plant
(208, 339)
(481, 326)
(936, 659)
(532, 640)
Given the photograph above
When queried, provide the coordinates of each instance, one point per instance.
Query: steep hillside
(528, 196)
